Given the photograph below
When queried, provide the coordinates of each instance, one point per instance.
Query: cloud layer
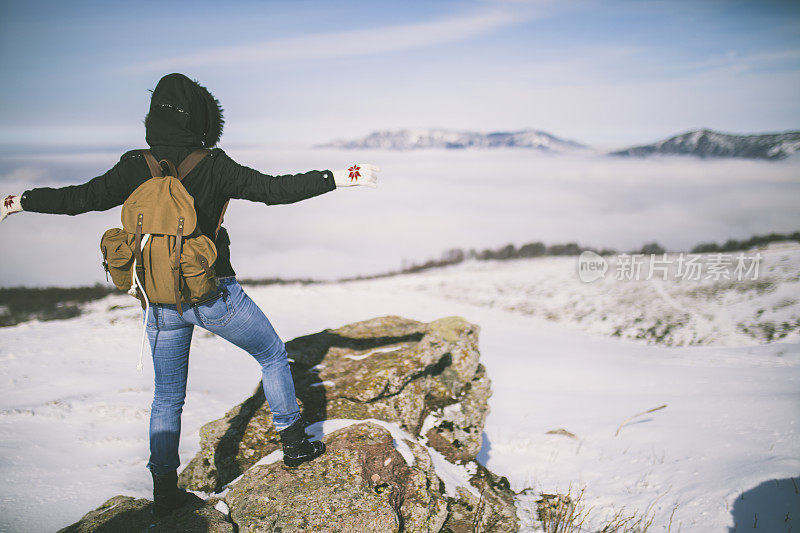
(428, 201)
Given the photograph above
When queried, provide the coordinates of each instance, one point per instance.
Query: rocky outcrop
(388, 368)
(400, 405)
(364, 483)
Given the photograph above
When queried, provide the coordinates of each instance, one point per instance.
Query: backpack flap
(161, 201)
(117, 248)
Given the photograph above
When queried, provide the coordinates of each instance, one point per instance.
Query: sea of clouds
(427, 201)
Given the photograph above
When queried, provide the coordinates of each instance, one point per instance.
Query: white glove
(11, 204)
(357, 174)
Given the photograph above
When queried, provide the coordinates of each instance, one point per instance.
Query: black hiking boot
(297, 449)
(166, 495)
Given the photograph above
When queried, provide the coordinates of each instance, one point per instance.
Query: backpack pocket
(197, 268)
(117, 248)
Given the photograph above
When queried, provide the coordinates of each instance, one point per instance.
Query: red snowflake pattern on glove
(354, 174)
(9, 201)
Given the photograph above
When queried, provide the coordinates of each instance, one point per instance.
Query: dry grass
(559, 513)
(629, 523)
(567, 513)
(616, 434)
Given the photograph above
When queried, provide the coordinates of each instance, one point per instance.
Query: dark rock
(123, 514)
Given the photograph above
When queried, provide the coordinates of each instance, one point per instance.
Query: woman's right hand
(11, 204)
(357, 174)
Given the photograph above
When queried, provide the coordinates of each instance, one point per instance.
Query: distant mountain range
(700, 143)
(708, 143)
(439, 138)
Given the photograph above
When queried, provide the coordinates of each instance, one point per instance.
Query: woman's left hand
(11, 204)
(357, 174)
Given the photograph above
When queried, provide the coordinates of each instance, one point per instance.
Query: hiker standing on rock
(185, 117)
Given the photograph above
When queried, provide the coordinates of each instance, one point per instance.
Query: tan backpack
(159, 255)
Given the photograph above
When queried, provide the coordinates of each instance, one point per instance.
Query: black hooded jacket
(183, 117)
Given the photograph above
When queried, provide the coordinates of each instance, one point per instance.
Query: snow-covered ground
(724, 450)
(671, 307)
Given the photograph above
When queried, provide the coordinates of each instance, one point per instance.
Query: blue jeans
(235, 318)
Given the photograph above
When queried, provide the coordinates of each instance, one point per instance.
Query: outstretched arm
(98, 194)
(239, 181)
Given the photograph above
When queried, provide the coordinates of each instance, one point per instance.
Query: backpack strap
(176, 268)
(167, 168)
(221, 216)
(152, 164)
(137, 250)
(186, 166)
(191, 160)
(204, 263)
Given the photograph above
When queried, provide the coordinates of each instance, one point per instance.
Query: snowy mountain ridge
(708, 143)
(702, 143)
(412, 139)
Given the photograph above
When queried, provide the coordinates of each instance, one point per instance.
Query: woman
(184, 116)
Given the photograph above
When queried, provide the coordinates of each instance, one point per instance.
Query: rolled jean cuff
(160, 471)
(280, 425)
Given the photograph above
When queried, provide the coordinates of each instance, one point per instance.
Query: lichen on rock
(361, 483)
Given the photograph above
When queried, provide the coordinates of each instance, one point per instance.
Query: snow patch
(452, 411)
(429, 423)
(454, 476)
(107, 509)
(223, 508)
(326, 427)
(382, 349)
(270, 458)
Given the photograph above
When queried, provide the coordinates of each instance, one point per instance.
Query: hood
(183, 113)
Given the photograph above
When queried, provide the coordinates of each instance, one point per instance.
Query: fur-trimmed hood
(183, 113)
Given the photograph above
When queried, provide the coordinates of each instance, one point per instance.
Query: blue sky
(301, 72)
